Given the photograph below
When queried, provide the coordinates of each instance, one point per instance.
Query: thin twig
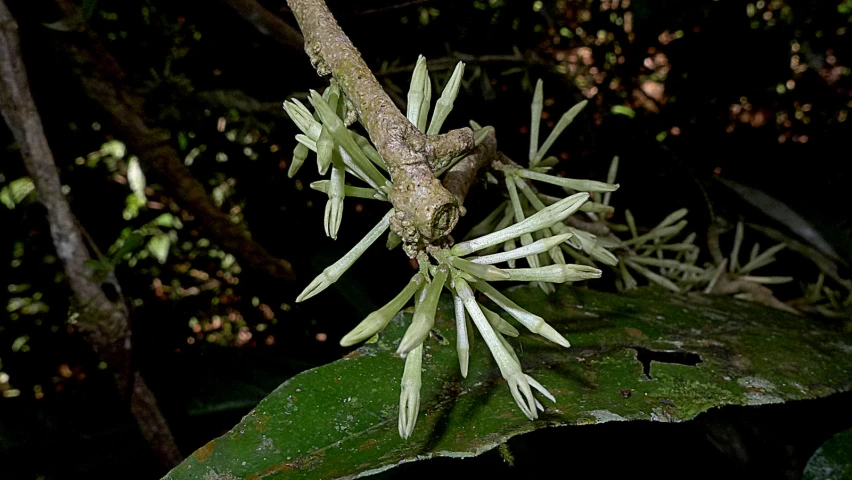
(425, 210)
(268, 23)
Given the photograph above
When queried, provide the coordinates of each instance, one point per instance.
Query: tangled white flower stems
(462, 267)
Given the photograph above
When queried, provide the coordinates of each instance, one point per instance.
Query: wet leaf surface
(649, 355)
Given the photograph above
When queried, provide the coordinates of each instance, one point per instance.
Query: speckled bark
(426, 211)
(459, 179)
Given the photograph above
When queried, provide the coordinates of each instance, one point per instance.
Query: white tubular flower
(462, 342)
(540, 246)
(533, 322)
(333, 272)
(499, 324)
(336, 194)
(378, 320)
(485, 272)
(300, 154)
(303, 119)
(350, 191)
(555, 213)
(508, 364)
(445, 104)
(335, 126)
(554, 273)
(409, 396)
(579, 185)
(417, 90)
(424, 314)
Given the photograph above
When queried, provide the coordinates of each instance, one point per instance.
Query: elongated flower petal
(533, 322)
(369, 150)
(304, 140)
(486, 226)
(656, 233)
(445, 104)
(563, 122)
(409, 396)
(540, 246)
(610, 178)
(416, 90)
(554, 273)
(333, 272)
(666, 263)
(462, 342)
(425, 103)
(424, 314)
(543, 219)
(762, 259)
(379, 319)
(526, 238)
(325, 151)
(579, 185)
(341, 136)
(485, 272)
(350, 191)
(535, 120)
(300, 154)
(336, 194)
(509, 366)
(654, 277)
(499, 324)
(303, 119)
(534, 383)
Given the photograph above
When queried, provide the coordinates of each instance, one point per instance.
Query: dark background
(720, 113)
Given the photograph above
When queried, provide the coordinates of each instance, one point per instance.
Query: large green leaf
(699, 352)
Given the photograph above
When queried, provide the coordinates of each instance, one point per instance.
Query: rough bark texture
(426, 211)
(461, 176)
(102, 79)
(105, 325)
(268, 23)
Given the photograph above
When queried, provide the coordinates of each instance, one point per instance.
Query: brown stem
(105, 326)
(268, 23)
(102, 79)
(425, 210)
(461, 176)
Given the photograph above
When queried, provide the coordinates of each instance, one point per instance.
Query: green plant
(524, 219)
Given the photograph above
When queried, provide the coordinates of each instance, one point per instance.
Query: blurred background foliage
(684, 92)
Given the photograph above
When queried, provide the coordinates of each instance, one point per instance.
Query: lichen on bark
(426, 212)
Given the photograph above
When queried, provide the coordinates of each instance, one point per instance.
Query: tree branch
(102, 80)
(425, 210)
(268, 23)
(105, 326)
(461, 176)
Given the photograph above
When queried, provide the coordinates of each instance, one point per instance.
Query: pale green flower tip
(523, 396)
(582, 272)
(551, 334)
(295, 165)
(316, 286)
(485, 272)
(538, 386)
(411, 340)
(464, 362)
(333, 216)
(373, 324)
